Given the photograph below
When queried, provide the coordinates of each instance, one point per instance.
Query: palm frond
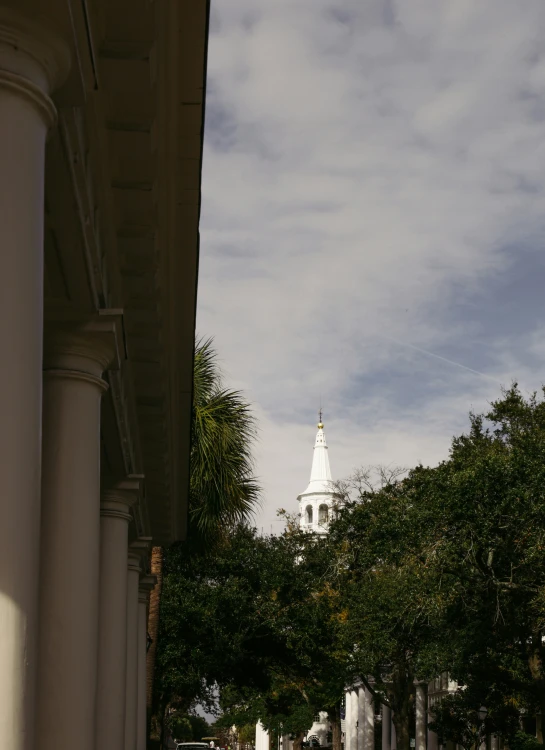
(223, 490)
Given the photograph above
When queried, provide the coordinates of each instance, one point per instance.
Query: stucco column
(354, 733)
(131, 696)
(386, 727)
(393, 733)
(33, 62)
(369, 733)
(420, 720)
(361, 719)
(117, 501)
(136, 552)
(348, 744)
(75, 357)
(433, 740)
(146, 585)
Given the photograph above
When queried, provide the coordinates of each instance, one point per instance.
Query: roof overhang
(123, 192)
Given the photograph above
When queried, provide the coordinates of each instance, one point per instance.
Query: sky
(373, 223)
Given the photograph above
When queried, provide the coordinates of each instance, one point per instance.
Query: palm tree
(223, 490)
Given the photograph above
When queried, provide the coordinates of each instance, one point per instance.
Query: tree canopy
(439, 569)
(222, 493)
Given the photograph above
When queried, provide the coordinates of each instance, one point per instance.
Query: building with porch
(101, 130)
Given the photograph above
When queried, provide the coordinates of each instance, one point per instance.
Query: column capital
(77, 343)
(131, 483)
(117, 505)
(34, 59)
(137, 551)
(134, 562)
(118, 497)
(145, 586)
(147, 583)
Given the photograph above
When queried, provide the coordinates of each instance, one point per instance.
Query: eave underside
(122, 212)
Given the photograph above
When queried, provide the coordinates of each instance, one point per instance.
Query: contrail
(443, 359)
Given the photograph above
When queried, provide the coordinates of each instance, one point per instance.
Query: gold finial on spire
(320, 423)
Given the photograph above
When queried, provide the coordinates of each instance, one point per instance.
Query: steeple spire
(320, 474)
(320, 471)
(316, 501)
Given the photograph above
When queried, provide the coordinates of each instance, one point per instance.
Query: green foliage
(388, 601)
(486, 509)
(257, 619)
(460, 718)
(187, 727)
(180, 727)
(199, 726)
(246, 734)
(523, 741)
(443, 569)
(459, 722)
(209, 632)
(223, 490)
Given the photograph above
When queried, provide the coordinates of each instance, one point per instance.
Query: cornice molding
(83, 343)
(324, 493)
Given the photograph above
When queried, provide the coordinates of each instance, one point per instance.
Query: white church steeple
(316, 501)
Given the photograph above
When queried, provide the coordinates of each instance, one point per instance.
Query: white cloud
(373, 171)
